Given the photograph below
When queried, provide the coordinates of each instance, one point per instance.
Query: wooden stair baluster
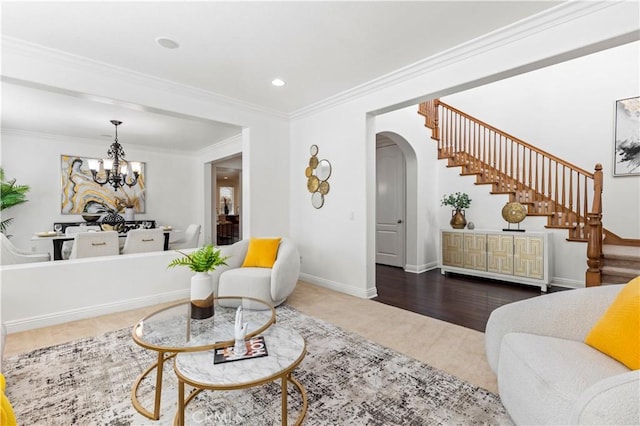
(546, 185)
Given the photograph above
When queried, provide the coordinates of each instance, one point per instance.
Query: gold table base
(159, 367)
(284, 378)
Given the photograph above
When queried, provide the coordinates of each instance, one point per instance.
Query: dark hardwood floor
(458, 299)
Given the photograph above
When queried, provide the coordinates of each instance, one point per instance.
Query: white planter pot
(201, 295)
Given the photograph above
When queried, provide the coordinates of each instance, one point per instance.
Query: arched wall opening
(411, 196)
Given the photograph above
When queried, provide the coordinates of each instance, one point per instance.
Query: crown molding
(94, 67)
(89, 141)
(229, 142)
(524, 28)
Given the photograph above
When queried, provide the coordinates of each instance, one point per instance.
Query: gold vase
(458, 221)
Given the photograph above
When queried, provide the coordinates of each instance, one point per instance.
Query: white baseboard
(564, 282)
(340, 287)
(418, 269)
(61, 317)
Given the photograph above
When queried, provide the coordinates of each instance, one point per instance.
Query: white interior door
(390, 206)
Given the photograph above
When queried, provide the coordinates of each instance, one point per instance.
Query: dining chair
(188, 240)
(143, 240)
(91, 244)
(11, 255)
(72, 231)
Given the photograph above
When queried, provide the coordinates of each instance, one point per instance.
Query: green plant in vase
(201, 261)
(10, 195)
(459, 201)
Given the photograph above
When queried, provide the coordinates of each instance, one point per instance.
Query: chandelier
(118, 171)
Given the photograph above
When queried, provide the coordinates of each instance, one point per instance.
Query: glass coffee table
(170, 331)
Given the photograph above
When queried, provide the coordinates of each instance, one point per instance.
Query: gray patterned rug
(349, 381)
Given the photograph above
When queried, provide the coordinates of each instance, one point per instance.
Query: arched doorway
(396, 202)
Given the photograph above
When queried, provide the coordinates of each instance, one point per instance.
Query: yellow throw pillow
(6, 411)
(262, 252)
(617, 332)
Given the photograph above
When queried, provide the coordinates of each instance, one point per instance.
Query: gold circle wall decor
(317, 174)
(313, 183)
(323, 188)
(313, 162)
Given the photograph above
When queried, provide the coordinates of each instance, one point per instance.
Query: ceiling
(234, 49)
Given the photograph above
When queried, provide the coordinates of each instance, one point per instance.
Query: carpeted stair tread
(621, 252)
(616, 270)
(621, 263)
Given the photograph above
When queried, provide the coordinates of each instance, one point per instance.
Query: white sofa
(546, 374)
(273, 285)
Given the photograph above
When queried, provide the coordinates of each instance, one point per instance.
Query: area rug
(349, 381)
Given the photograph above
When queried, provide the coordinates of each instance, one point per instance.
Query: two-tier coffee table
(170, 331)
(286, 349)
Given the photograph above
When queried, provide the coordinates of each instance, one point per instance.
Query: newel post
(594, 228)
(429, 109)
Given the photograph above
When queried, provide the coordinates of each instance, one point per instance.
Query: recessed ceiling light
(277, 82)
(167, 43)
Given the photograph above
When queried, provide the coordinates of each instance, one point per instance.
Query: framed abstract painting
(81, 194)
(626, 160)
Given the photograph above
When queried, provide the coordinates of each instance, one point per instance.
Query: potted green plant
(201, 261)
(459, 201)
(10, 195)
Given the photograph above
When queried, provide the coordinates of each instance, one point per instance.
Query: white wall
(49, 293)
(34, 160)
(339, 252)
(330, 239)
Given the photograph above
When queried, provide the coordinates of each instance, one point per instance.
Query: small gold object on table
(514, 213)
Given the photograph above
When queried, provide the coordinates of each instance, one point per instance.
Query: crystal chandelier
(118, 171)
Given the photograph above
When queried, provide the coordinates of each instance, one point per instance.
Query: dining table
(57, 239)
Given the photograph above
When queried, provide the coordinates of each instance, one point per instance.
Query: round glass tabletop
(171, 329)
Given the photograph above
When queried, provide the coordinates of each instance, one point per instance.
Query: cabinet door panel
(500, 254)
(528, 257)
(475, 251)
(452, 249)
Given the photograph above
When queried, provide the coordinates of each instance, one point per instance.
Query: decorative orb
(91, 217)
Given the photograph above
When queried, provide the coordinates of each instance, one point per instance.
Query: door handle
(399, 220)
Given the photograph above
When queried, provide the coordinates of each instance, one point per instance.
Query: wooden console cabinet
(520, 257)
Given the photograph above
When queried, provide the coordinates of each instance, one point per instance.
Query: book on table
(256, 348)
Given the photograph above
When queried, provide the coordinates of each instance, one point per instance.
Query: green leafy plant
(458, 201)
(204, 259)
(10, 195)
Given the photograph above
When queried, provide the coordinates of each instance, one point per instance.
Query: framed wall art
(626, 161)
(81, 194)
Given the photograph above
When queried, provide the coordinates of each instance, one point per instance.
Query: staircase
(620, 259)
(547, 185)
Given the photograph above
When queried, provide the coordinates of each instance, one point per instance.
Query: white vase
(201, 295)
(128, 214)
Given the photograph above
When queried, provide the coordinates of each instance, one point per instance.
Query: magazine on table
(256, 348)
